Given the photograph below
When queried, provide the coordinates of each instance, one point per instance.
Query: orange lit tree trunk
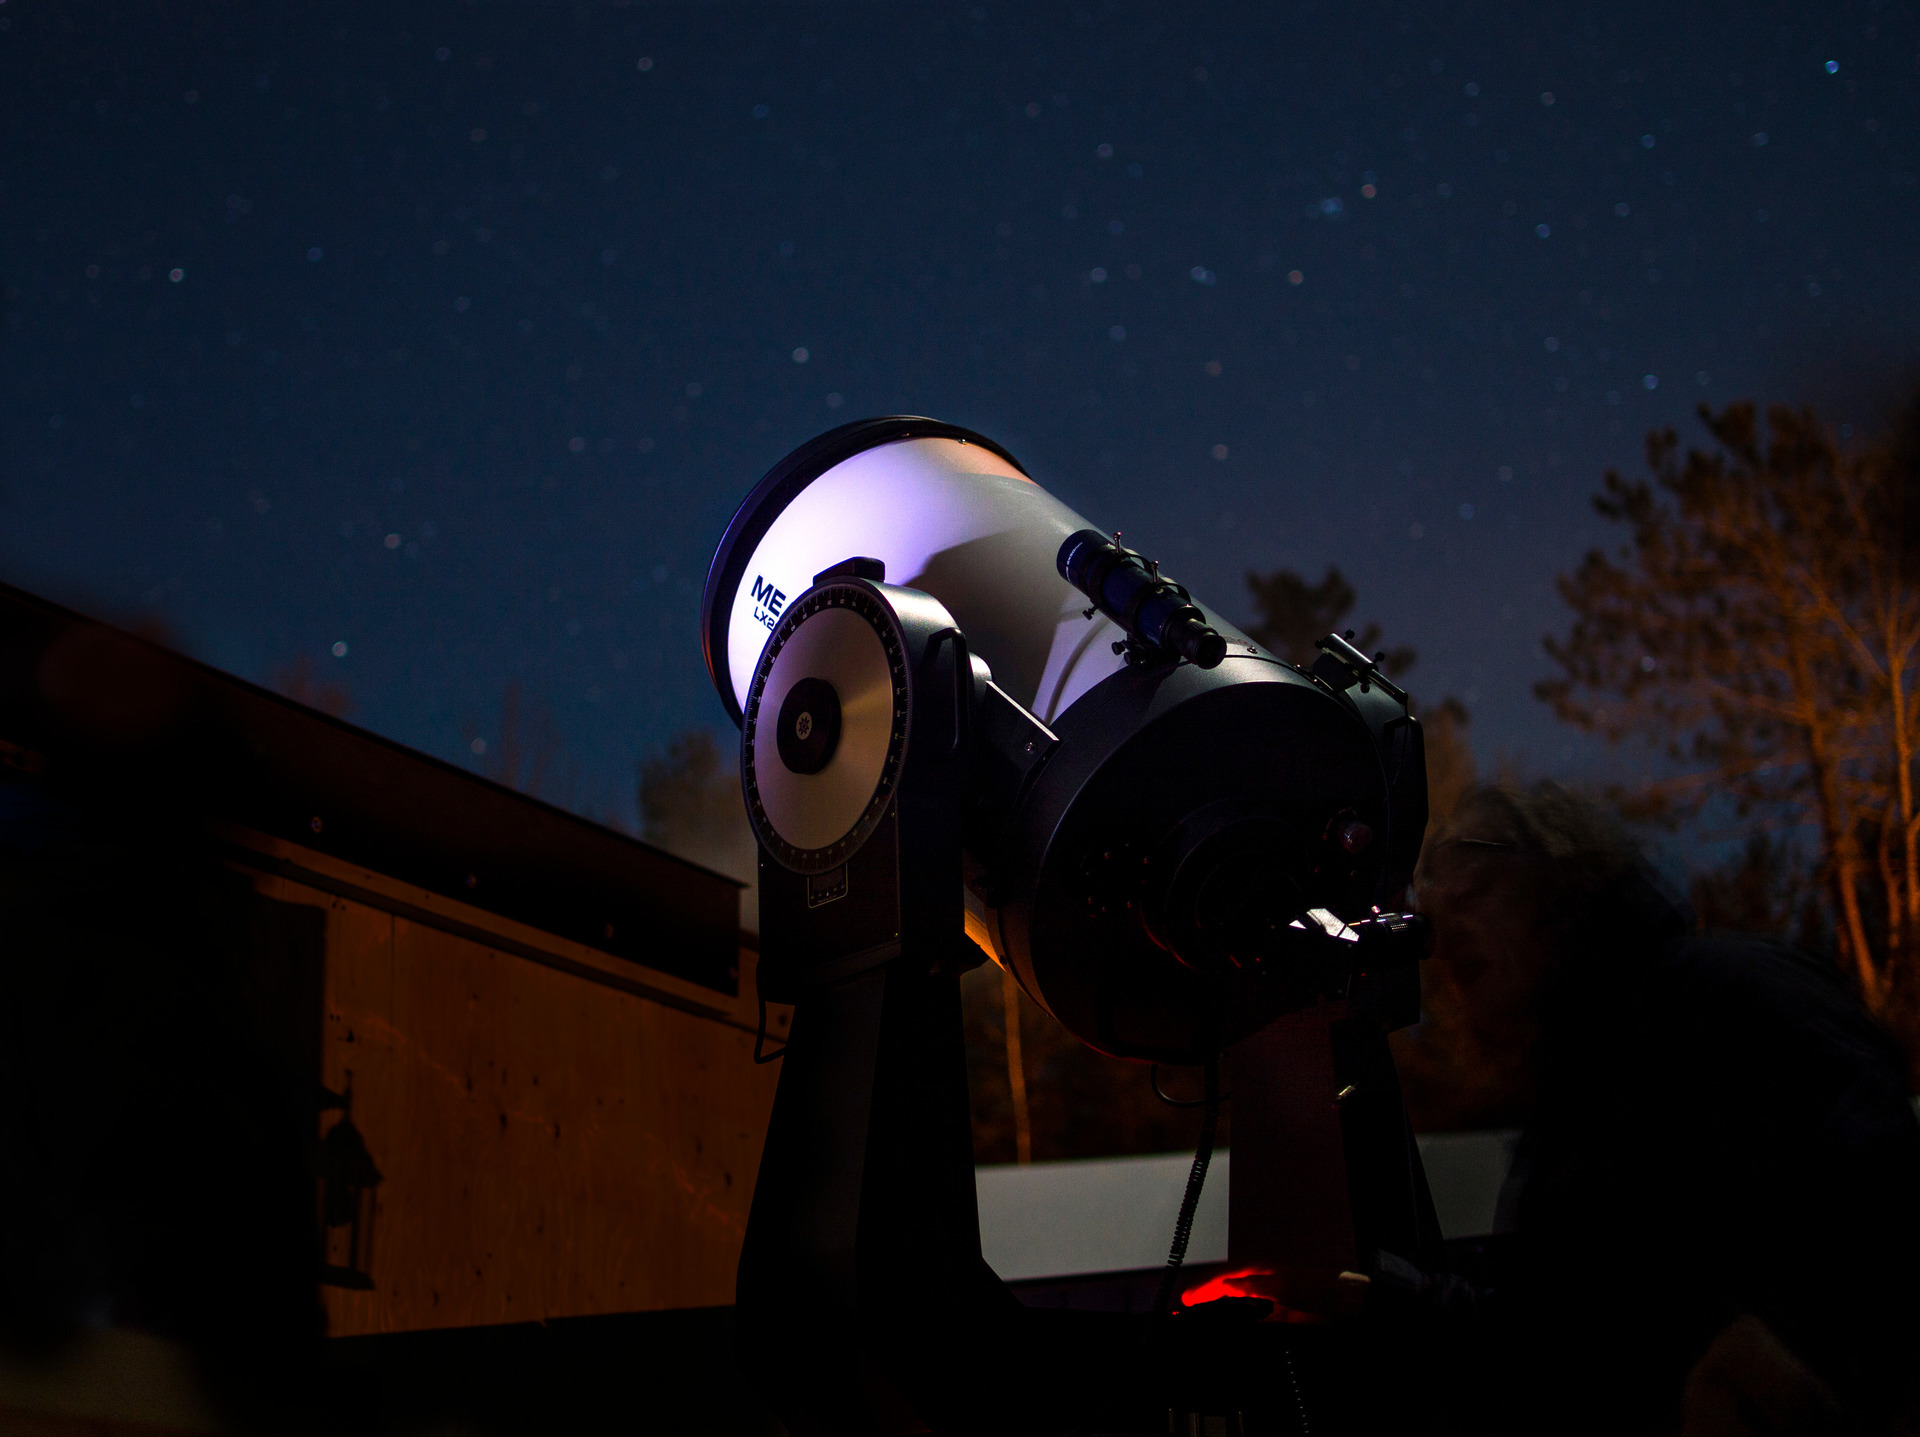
(1836, 828)
(1759, 627)
(1016, 1069)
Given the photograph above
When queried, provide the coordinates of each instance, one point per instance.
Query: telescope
(977, 728)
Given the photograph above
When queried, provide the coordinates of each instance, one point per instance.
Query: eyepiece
(1157, 614)
(1199, 643)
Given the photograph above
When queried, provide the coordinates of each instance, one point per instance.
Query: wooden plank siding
(550, 1145)
(233, 908)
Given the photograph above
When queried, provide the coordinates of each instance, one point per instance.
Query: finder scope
(1159, 616)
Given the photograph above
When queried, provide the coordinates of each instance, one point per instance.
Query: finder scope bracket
(1350, 662)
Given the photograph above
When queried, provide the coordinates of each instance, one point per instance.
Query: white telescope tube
(961, 523)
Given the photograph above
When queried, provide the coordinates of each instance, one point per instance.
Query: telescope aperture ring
(812, 819)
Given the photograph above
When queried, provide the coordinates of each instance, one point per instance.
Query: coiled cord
(1196, 1180)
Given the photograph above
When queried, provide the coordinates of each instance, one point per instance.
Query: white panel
(1097, 1215)
(1466, 1172)
(1117, 1214)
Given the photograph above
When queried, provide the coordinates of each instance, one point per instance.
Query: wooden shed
(514, 1047)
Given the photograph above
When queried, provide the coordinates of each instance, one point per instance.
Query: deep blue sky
(521, 291)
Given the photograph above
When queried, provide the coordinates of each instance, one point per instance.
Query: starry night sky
(445, 338)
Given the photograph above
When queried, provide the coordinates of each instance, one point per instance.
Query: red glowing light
(1249, 1282)
(1224, 1284)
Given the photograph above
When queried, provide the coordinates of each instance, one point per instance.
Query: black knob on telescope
(1156, 612)
(809, 730)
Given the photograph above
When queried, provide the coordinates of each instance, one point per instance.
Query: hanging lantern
(347, 1179)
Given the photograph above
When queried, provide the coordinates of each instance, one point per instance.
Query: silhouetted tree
(1451, 769)
(1759, 628)
(299, 682)
(1294, 614)
(1765, 888)
(1081, 1104)
(526, 751)
(690, 804)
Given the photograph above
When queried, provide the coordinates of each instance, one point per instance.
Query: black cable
(1299, 1401)
(760, 1034)
(1153, 1081)
(1196, 1180)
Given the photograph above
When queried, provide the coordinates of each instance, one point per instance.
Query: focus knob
(809, 729)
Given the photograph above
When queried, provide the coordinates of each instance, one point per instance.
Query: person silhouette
(1713, 1215)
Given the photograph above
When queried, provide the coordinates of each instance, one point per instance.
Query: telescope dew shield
(950, 513)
